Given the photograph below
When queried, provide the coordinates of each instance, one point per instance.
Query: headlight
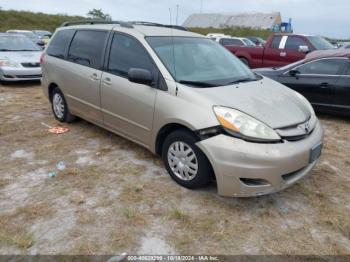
(306, 102)
(7, 62)
(242, 125)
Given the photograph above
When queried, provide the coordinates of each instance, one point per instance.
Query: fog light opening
(254, 182)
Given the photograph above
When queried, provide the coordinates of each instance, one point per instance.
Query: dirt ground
(114, 196)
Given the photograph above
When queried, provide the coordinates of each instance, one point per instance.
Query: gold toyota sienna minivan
(186, 98)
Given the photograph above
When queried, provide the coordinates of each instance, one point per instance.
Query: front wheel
(184, 161)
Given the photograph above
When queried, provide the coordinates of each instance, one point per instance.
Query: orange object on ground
(58, 130)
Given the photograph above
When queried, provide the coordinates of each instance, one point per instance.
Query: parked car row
(38, 37)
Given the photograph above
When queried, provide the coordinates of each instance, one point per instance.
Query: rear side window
(127, 53)
(59, 43)
(276, 42)
(293, 43)
(236, 42)
(87, 48)
(323, 67)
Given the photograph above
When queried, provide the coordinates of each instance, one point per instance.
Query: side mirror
(294, 73)
(303, 49)
(140, 76)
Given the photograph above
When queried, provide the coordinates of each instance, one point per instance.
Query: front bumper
(20, 74)
(279, 165)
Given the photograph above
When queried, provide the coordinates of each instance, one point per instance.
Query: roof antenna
(172, 40)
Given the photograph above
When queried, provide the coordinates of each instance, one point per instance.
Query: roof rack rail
(95, 22)
(157, 24)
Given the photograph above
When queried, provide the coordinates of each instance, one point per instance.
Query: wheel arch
(50, 88)
(165, 131)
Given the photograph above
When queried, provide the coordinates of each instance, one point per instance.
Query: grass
(13, 229)
(12, 19)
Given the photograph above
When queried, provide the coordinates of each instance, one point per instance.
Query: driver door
(128, 107)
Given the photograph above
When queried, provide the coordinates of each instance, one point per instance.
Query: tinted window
(59, 43)
(87, 48)
(127, 53)
(293, 43)
(232, 42)
(324, 67)
(276, 42)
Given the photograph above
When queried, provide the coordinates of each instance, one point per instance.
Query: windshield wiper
(22, 50)
(5, 50)
(243, 80)
(196, 83)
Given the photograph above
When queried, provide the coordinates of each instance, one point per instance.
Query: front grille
(28, 76)
(299, 131)
(30, 65)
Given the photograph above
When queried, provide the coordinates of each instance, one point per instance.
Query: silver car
(186, 98)
(19, 58)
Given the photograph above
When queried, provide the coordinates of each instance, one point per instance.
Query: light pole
(177, 14)
(201, 6)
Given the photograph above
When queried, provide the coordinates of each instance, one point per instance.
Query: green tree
(98, 14)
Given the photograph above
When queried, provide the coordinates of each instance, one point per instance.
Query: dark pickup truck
(279, 50)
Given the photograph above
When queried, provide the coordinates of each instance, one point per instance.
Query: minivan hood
(22, 56)
(266, 100)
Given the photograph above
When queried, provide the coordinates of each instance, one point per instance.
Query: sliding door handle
(107, 81)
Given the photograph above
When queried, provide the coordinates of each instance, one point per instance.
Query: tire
(60, 108)
(244, 61)
(191, 170)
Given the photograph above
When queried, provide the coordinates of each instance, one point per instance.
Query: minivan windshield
(17, 43)
(199, 62)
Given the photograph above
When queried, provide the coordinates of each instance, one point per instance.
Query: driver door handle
(283, 54)
(94, 77)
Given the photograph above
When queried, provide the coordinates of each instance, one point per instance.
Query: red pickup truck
(279, 50)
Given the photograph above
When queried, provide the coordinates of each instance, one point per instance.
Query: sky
(323, 17)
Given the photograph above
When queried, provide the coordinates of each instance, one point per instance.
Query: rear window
(229, 41)
(87, 48)
(276, 42)
(59, 43)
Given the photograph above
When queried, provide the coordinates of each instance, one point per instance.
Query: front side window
(127, 53)
(59, 44)
(87, 48)
(293, 43)
(192, 59)
(323, 67)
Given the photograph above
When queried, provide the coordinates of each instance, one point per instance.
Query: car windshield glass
(199, 62)
(17, 43)
(320, 43)
(248, 42)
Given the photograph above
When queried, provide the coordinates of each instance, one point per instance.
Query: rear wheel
(60, 107)
(184, 161)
